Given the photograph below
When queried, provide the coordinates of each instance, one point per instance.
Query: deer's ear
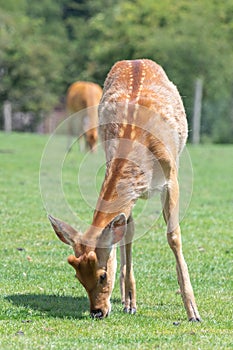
(66, 233)
(113, 232)
(118, 228)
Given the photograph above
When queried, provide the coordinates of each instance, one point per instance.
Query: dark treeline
(47, 45)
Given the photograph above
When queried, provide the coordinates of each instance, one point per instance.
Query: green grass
(42, 305)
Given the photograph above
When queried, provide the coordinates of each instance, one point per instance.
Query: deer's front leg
(171, 216)
(122, 272)
(127, 281)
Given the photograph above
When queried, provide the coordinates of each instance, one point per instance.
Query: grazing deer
(144, 129)
(84, 96)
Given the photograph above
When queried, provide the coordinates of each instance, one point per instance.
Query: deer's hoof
(131, 311)
(126, 310)
(195, 319)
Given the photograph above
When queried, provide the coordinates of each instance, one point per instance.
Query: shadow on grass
(52, 305)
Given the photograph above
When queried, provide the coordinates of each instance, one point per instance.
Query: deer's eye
(103, 277)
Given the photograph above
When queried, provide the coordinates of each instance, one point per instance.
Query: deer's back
(82, 94)
(140, 94)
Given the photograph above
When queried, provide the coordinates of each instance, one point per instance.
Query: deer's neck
(124, 183)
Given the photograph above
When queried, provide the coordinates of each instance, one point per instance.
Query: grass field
(42, 305)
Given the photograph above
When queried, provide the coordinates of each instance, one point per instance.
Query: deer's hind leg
(170, 199)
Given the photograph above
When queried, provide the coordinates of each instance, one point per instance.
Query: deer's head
(94, 259)
(91, 137)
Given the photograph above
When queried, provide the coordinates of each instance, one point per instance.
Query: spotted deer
(144, 129)
(84, 96)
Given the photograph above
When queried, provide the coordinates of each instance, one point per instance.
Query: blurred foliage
(47, 45)
(31, 63)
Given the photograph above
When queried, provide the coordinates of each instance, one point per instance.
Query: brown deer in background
(144, 129)
(84, 96)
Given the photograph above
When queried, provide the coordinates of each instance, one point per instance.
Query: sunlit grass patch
(44, 307)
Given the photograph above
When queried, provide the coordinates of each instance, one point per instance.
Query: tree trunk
(197, 112)
(7, 115)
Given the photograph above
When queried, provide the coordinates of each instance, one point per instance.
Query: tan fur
(83, 95)
(144, 129)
